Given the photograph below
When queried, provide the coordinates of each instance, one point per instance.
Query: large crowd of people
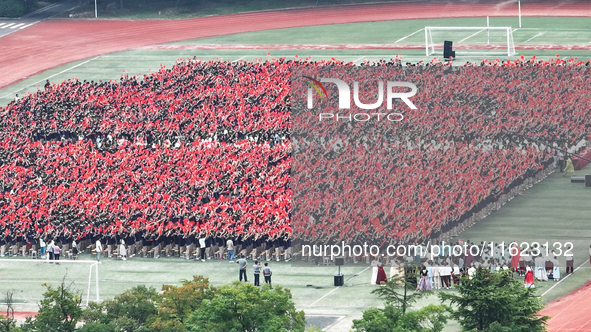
(203, 150)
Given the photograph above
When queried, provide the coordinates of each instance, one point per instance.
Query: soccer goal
(471, 40)
(25, 278)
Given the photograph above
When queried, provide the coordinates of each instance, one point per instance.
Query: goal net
(471, 40)
(25, 278)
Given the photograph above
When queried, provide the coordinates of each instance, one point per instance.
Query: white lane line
(41, 10)
(1, 24)
(332, 291)
(7, 25)
(28, 25)
(563, 279)
(472, 35)
(239, 59)
(16, 26)
(61, 72)
(403, 38)
(358, 59)
(539, 34)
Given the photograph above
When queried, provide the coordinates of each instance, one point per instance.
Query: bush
(431, 318)
(243, 307)
(496, 302)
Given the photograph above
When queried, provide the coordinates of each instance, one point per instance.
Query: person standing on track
(99, 249)
(56, 252)
(230, 245)
(257, 273)
(267, 273)
(50, 250)
(569, 168)
(570, 263)
(242, 264)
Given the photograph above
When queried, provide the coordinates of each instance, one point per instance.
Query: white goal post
(29, 274)
(485, 40)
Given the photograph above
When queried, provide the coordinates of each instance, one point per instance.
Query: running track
(52, 43)
(570, 312)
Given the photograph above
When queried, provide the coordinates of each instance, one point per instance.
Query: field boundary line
(472, 35)
(538, 35)
(563, 279)
(332, 291)
(61, 72)
(403, 38)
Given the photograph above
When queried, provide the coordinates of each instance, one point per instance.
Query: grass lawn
(544, 30)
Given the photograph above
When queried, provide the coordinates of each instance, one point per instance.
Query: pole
(95, 10)
(519, 4)
(426, 42)
(487, 31)
(97, 282)
(89, 281)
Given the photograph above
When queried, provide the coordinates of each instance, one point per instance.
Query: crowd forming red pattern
(478, 132)
(203, 149)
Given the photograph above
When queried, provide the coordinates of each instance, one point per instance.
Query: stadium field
(551, 211)
(534, 31)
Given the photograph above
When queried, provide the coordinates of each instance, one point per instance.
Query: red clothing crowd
(206, 146)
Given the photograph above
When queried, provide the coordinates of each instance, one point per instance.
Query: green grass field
(553, 210)
(556, 30)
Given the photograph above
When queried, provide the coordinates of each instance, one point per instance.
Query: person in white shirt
(42, 246)
(556, 269)
(50, 251)
(540, 265)
(230, 246)
(471, 272)
(374, 272)
(436, 277)
(123, 250)
(202, 247)
(74, 250)
(99, 250)
(394, 270)
(445, 274)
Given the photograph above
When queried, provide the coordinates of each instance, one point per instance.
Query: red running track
(570, 312)
(53, 43)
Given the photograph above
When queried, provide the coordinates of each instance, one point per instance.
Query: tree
(13, 8)
(495, 302)
(59, 311)
(243, 308)
(178, 303)
(7, 322)
(399, 292)
(131, 311)
(431, 318)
